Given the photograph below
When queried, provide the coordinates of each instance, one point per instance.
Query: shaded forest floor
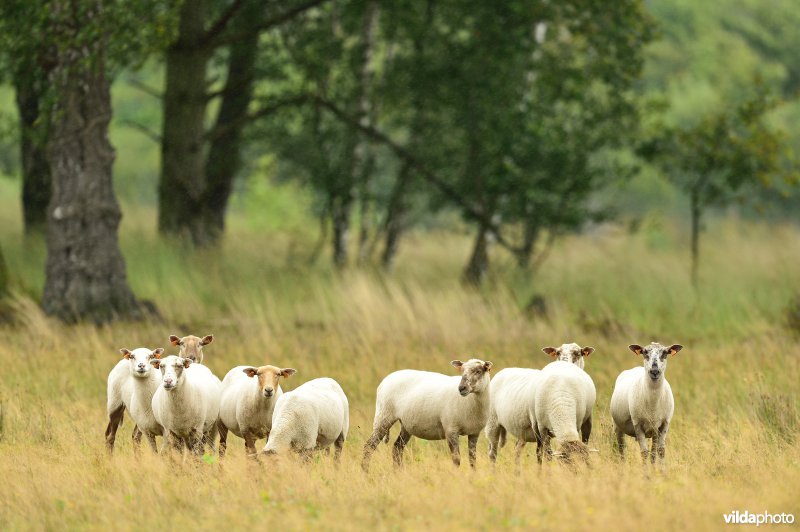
(732, 444)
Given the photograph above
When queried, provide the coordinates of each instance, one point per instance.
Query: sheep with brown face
(191, 346)
(432, 406)
(249, 395)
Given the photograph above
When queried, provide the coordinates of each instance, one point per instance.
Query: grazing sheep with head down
(513, 397)
(565, 396)
(131, 375)
(432, 406)
(187, 402)
(311, 417)
(642, 404)
(249, 395)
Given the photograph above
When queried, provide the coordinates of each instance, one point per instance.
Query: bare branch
(219, 26)
(471, 210)
(243, 120)
(225, 39)
(147, 89)
(149, 133)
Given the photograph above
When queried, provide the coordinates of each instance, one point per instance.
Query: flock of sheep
(180, 399)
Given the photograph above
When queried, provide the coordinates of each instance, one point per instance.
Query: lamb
(512, 401)
(432, 406)
(247, 403)
(642, 404)
(131, 374)
(565, 396)
(311, 417)
(186, 403)
(191, 346)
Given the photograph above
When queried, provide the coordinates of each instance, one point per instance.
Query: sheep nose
(167, 381)
(141, 365)
(268, 392)
(462, 390)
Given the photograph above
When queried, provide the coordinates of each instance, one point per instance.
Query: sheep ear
(158, 352)
(674, 348)
(552, 351)
(250, 372)
(156, 363)
(288, 372)
(207, 339)
(125, 353)
(487, 366)
(174, 340)
(587, 351)
(187, 362)
(635, 348)
(457, 364)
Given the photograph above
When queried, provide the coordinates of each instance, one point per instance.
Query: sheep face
(572, 353)
(191, 347)
(171, 370)
(474, 375)
(654, 357)
(140, 360)
(268, 377)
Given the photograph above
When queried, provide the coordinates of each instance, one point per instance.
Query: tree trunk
(478, 265)
(85, 275)
(395, 217)
(696, 215)
(183, 176)
(363, 158)
(525, 252)
(36, 179)
(3, 275)
(224, 157)
(340, 218)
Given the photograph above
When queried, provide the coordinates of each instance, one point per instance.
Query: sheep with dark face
(191, 347)
(432, 406)
(642, 403)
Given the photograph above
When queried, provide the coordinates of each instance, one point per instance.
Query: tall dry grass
(732, 445)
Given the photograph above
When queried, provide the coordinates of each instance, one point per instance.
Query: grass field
(732, 444)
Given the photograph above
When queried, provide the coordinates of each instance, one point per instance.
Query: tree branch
(471, 210)
(223, 130)
(147, 89)
(226, 39)
(219, 26)
(152, 135)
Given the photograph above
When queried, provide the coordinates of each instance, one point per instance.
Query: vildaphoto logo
(748, 518)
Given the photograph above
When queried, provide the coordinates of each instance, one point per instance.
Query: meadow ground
(732, 444)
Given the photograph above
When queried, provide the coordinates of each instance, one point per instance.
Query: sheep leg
(381, 432)
(653, 444)
(114, 419)
(136, 437)
(662, 443)
(208, 439)
(518, 448)
(620, 443)
(546, 445)
(151, 439)
(455, 453)
(223, 438)
(472, 446)
(249, 445)
(338, 446)
(586, 430)
(400, 445)
(195, 442)
(640, 438)
(493, 435)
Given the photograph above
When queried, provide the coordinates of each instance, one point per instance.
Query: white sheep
(130, 374)
(565, 396)
(247, 403)
(187, 402)
(311, 417)
(642, 404)
(432, 406)
(513, 397)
